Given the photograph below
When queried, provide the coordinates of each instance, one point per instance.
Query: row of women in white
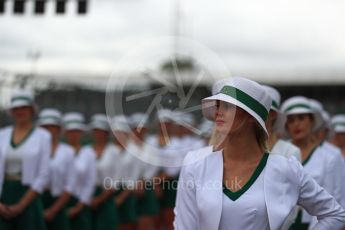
(49, 184)
(252, 179)
(74, 180)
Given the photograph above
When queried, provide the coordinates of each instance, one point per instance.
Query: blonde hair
(260, 134)
(261, 137)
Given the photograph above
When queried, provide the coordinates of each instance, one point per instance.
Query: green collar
(309, 156)
(235, 195)
(14, 145)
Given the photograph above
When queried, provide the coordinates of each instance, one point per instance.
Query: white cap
(326, 117)
(50, 116)
(74, 121)
(164, 115)
(281, 118)
(99, 121)
(138, 119)
(318, 107)
(22, 98)
(244, 93)
(218, 85)
(275, 95)
(301, 105)
(120, 123)
(338, 123)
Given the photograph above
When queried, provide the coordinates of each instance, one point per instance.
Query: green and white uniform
(24, 166)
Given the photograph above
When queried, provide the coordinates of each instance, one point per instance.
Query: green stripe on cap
(73, 122)
(297, 106)
(241, 96)
(21, 98)
(50, 117)
(105, 124)
(338, 123)
(275, 104)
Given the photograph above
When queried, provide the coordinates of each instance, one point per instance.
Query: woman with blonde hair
(242, 186)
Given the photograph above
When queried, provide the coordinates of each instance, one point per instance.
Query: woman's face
(229, 118)
(23, 114)
(299, 126)
(73, 136)
(53, 129)
(121, 136)
(340, 139)
(100, 135)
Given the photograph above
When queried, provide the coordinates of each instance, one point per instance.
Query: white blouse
(83, 177)
(13, 161)
(248, 212)
(33, 153)
(106, 164)
(60, 166)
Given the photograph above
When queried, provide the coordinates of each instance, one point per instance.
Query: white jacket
(36, 149)
(199, 197)
(83, 176)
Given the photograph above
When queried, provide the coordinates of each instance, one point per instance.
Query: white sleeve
(297, 153)
(334, 178)
(186, 216)
(42, 176)
(70, 180)
(90, 180)
(317, 201)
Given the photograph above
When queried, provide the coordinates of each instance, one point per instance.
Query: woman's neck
(305, 145)
(100, 144)
(24, 126)
(242, 146)
(76, 147)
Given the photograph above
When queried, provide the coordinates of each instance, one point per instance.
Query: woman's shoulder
(6, 130)
(200, 159)
(288, 166)
(42, 132)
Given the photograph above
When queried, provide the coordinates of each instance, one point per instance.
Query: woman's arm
(16, 209)
(186, 216)
(100, 199)
(50, 213)
(334, 178)
(318, 202)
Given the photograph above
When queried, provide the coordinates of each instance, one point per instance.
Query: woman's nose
(218, 113)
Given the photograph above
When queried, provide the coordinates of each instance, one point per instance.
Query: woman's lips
(297, 131)
(219, 122)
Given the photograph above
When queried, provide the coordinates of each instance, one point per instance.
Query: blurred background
(67, 50)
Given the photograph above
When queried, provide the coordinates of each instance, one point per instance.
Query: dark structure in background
(88, 102)
(18, 7)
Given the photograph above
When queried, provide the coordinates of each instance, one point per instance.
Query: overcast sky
(303, 39)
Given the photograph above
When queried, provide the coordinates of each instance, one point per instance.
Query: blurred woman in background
(302, 121)
(24, 160)
(83, 173)
(104, 210)
(56, 197)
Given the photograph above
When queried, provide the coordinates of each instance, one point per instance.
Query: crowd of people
(279, 166)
